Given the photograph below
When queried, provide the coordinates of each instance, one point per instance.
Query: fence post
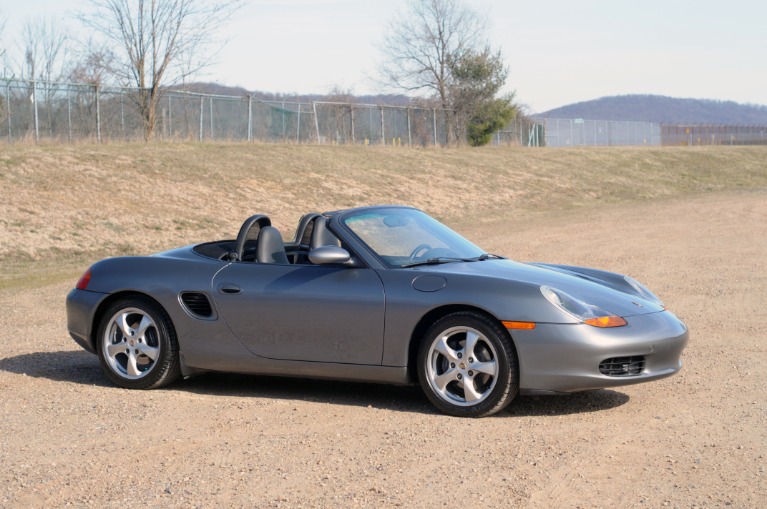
(383, 134)
(250, 118)
(122, 117)
(409, 132)
(316, 122)
(351, 114)
(98, 115)
(298, 125)
(202, 113)
(34, 102)
(8, 107)
(69, 113)
(283, 120)
(210, 106)
(170, 119)
(434, 122)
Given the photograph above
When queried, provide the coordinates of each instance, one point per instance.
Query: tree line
(435, 49)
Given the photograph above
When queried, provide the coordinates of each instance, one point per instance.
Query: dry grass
(66, 205)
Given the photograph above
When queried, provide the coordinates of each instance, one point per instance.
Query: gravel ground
(69, 438)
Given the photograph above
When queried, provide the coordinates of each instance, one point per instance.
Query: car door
(304, 312)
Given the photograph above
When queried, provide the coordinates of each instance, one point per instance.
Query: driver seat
(271, 248)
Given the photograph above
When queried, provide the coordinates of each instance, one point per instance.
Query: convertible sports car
(378, 294)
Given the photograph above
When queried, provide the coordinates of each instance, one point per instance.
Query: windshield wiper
(487, 256)
(437, 261)
(448, 259)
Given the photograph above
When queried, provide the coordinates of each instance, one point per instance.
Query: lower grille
(622, 366)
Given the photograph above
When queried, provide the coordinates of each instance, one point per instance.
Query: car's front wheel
(137, 345)
(467, 365)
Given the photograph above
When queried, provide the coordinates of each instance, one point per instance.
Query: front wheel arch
(468, 365)
(106, 303)
(427, 321)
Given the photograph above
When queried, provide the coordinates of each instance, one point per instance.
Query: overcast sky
(558, 51)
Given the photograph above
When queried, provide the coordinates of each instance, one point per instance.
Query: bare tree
(93, 66)
(160, 42)
(45, 49)
(3, 49)
(44, 45)
(423, 43)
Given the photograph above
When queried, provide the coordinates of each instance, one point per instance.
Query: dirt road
(69, 438)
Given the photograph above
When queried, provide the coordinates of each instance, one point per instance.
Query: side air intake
(197, 304)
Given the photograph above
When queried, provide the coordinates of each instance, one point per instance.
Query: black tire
(468, 380)
(137, 345)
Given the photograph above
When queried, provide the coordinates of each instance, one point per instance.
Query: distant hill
(662, 109)
(218, 89)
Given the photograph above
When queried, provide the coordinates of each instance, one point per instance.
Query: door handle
(229, 289)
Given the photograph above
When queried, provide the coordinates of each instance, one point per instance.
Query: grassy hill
(64, 206)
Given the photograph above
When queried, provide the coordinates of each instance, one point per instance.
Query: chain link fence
(522, 132)
(578, 132)
(40, 111)
(558, 132)
(703, 134)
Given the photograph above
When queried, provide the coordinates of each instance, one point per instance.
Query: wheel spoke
(445, 378)
(489, 368)
(122, 323)
(114, 349)
(471, 342)
(469, 392)
(146, 322)
(150, 351)
(443, 348)
(131, 367)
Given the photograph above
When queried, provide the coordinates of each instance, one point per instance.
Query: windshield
(402, 236)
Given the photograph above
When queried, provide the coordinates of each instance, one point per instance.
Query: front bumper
(566, 357)
(81, 308)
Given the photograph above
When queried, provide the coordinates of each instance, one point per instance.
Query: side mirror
(329, 254)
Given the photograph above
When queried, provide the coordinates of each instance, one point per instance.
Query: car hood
(606, 290)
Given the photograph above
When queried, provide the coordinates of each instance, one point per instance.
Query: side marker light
(519, 325)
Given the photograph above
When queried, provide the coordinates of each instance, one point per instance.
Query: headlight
(642, 290)
(586, 313)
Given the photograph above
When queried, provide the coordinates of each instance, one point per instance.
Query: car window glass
(403, 235)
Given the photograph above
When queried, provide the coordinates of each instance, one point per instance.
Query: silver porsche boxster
(381, 294)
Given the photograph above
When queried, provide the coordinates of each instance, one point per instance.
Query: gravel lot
(69, 438)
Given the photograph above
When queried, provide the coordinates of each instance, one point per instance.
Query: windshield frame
(431, 226)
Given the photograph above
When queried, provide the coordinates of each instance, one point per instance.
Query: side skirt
(393, 375)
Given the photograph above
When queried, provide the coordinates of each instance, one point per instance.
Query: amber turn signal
(606, 321)
(519, 325)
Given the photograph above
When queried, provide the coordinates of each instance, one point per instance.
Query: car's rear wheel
(137, 345)
(467, 365)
